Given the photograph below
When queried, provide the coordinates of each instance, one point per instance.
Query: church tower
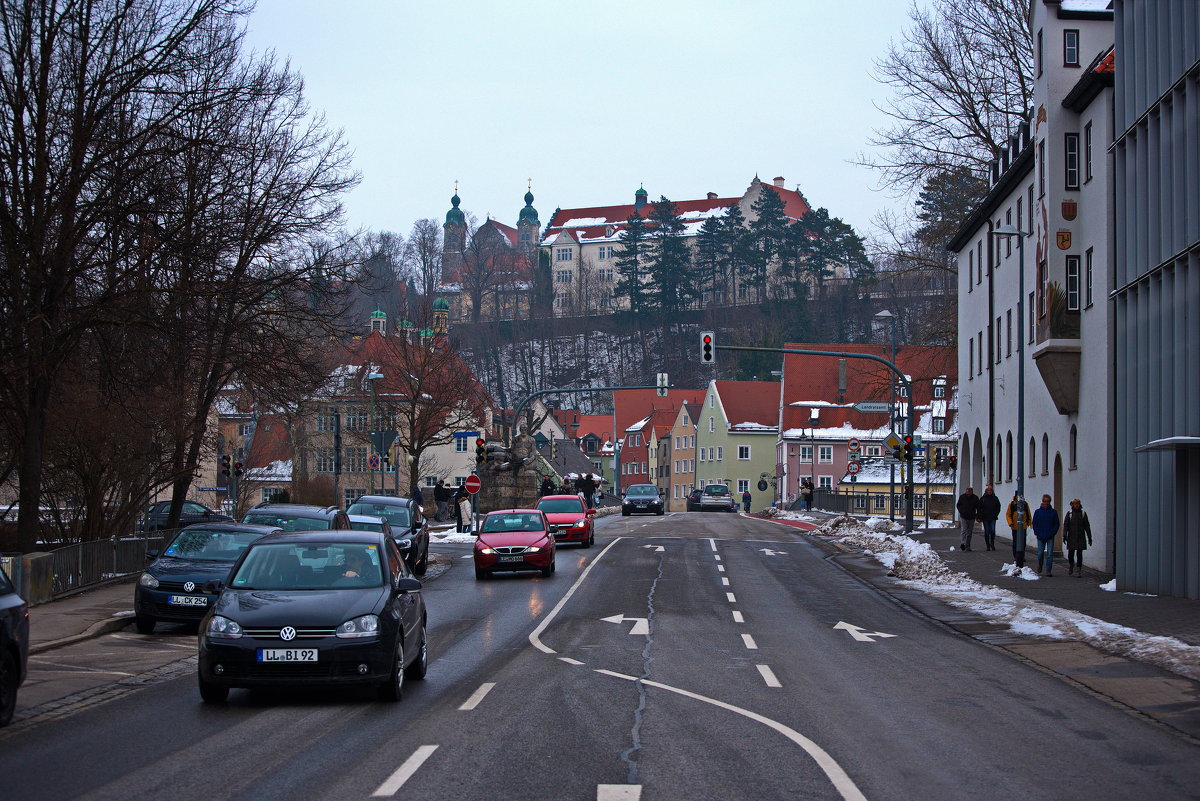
(454, 238)
(528, 225)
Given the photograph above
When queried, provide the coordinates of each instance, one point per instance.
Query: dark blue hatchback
(185, 579)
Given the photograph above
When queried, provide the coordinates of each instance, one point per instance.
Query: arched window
(997, 475)
(1032, 457)
(1009, 463)
(1045, 454)
(1074, 447)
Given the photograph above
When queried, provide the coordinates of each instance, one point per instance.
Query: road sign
(853, 467)
(871, 407)
(472, 484)
(892, 442)
(373, 461)
(917, 441)
(853, 444)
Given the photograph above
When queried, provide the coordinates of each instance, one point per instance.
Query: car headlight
(224, 627)
(486, 551)
(148, 581)
(580, 523)
(534, 549)
(365, 626)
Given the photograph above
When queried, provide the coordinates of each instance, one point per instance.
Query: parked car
(316, 607)
(156, 514)
(185, 579)
(297, 517)
(570, 519)
(641, 498)
(717, 498)
(514, 539)
(693, 500)
(409, 526)
(369, 523)
(14, 646)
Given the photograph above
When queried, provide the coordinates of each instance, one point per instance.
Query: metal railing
(85, 563)
(866, 501)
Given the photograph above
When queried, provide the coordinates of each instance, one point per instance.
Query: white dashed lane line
(750, 643)
(729, 597)
(405, 771)
(737, 617)
(768, 675)
(477, 696)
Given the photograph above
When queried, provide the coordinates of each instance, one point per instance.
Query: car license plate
(517, 558)
(187, 600)
(287, 654)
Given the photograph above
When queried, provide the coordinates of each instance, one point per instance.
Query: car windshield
(309, 566)
(556, 506)
(397, 516)
(516, 521)
(286, 522)
(210, 545)
(365, 525)
(716, 489)
(642, 491)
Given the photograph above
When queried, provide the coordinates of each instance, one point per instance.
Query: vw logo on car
(189, 586)
(287, 633)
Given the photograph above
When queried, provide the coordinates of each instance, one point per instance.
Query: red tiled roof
(1108, 63)
(750, 402)
(599, 424)
(271, 443)
(631, 405)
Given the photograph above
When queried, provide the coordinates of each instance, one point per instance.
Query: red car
(570, 520)
(514, 539)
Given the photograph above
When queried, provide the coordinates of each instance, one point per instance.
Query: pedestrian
(462, 509)
(746, 500)
(989, 511)
(568, 487)
(1077, 536)
(806, 494)
(586, 487)
(547, 487)
(968, 510)
(1017, 515)
(416, 495)
(1045, 526)
(441, 496)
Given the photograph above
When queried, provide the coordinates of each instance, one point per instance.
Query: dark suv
(409, 527)
(155, 518)
(297, 517)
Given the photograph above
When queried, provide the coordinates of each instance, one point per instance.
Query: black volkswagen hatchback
(183, 581)
(409, 526)
(316, 607)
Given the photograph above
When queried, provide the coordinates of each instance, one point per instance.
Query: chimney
(712, 195)
(779, 181)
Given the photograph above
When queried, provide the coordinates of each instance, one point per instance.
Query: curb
(97, 629)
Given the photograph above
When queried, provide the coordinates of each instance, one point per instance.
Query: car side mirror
(152, 553)
(407, 584)
(591, 513)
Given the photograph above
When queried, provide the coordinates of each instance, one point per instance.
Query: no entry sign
(472, 484)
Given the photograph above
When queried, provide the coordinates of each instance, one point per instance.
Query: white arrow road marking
(477, 696)
(618, 792)
(640, 624)
(860, 634)
(769, 552)
(656, 548)
(405, 771)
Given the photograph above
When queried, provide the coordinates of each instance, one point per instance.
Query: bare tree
(423, 256)
(962, 81)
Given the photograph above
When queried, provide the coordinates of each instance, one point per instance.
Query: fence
(865, 501)
(87, 563)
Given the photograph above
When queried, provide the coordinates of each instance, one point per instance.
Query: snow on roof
(275, 471)
(638, 425)
(1086, 5)
(879, 471)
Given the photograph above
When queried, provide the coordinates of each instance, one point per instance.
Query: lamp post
(373, 377)
(887, 316)
(1019, 536)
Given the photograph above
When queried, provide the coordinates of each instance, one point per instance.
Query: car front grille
(509, 549)
(291, 670)
(272, 633)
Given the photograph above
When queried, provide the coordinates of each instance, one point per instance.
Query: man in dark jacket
(1077, 536)
(441, 496)
(968, 510)
(1045, 526)
(989, 512)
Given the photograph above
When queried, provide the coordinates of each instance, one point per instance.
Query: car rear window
(559, 506)
(397, 516)
(716, 489)
(287, 522)
(214, 546)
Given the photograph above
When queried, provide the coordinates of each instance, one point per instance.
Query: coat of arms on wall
(1064, 240)
(1070, 209)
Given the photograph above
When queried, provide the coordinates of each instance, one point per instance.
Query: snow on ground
(919, 565)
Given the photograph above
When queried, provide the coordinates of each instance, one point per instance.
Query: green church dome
(441, 304)
(455, 216)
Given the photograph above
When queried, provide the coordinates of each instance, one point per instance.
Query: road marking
(405, 771)
(79, 667)
(724, 581)
(750, 643)
(569, 660)
(468, 556)
(768, 675)
(860, 634)
(720, 568)
(769, 552)
(618, 792)
(477, 696)
(535, 636)
(655, 548)
(712, 543)
(842, 782)
(717, 557)
(737, 617)
(729, 597)
(640, 624)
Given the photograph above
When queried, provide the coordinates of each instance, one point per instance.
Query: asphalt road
(688, 656)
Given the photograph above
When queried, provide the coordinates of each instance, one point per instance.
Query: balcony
(1057, 352)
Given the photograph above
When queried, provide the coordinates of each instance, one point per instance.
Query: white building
(1053, 183)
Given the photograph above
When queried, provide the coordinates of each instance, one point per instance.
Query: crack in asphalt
(647, 660)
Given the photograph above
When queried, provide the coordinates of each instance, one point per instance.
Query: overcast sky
(590, 100)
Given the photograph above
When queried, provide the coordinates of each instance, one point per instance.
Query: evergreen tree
(735, 253)
(633, 256)
(768, 233)
(823, 245)
(673, 285)
(710, 261)
(542, 302)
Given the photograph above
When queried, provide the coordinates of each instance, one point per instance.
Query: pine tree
(672, 285)
(710, 260)
(768, 233)
(736, 253)
(825, 244)
(632, 259)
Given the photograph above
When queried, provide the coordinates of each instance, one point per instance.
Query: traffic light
(708, 345)
(953, 462)
(238, 469)
(906, 448)
(226, 467)
(481, 450)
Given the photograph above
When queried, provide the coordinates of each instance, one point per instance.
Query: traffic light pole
(904, 382)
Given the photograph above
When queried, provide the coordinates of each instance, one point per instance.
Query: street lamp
(1019, 536)
(888, 317)
(373, 377)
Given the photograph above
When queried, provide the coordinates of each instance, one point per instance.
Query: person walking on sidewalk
(462, 510)
(1019, 528)
(968, 510)
(746, 500)
(1077, 536)
(1045, 526)
(441, 496)
(989, 511)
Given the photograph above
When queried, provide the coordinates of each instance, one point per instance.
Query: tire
(420, 567)
(624, 513)
(392, 690)
(546, 571)
(659, 512)
(144, 624)
(590, 541)
(10, 676)
(481, 575)
(417, 668)
(213, 693)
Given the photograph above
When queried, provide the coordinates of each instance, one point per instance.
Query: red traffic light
(908, 440)
(479, 443)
